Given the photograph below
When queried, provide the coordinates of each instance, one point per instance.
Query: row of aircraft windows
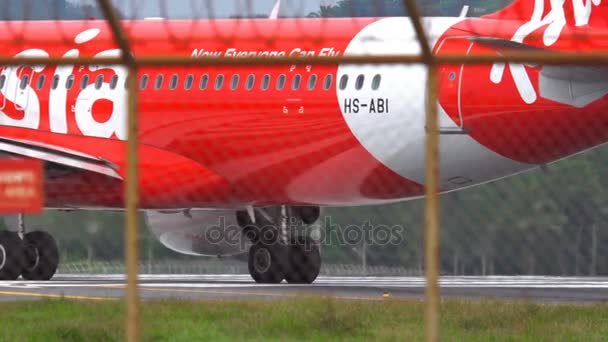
(265, 83)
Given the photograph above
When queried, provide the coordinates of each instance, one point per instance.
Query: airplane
(232, 158)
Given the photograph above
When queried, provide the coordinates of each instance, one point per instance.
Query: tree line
(46, 10)
(384, 8)
(63, 9)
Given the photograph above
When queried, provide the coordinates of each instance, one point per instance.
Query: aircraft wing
(59, 160)
(576, 85)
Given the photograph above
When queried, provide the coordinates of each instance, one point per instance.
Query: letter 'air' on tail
(573, 12)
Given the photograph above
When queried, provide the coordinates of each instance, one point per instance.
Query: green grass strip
(301, 319)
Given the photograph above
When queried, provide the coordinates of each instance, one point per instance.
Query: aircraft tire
(304, 262)
(267, 262)
(12, 256)
(42, 256)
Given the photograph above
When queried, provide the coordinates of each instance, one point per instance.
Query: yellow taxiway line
(262, 294)
(176, 290)
(53, 295)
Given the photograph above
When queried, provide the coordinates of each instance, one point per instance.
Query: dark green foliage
(539, 222)
(394, 8)
(47, 10)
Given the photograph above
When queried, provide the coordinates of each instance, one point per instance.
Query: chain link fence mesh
(260, 146)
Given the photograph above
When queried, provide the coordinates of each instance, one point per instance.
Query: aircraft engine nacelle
(199, 232)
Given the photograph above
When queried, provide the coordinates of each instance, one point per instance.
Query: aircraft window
(250, 82)
(84, 81)
(159, 82)
(219, 82)
(359, 82)
(98, 82)
(312, 81)
(343, 82)
(297, 80)
(25, 79)
(235, 82)
(55, 83)
(2, 81)
(69, 83)
(376, 82)
(174, 81)
(41, 80)
(189, 82)
(266, 82)
(143, 82)
(329, 79)
(114, 82)
(281, 82)
(204, 82)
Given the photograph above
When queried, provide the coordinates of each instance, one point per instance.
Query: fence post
(132, 203)
(131, 191)
(431, 236)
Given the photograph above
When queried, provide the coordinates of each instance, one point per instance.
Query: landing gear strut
(33, 255)
(277, 252)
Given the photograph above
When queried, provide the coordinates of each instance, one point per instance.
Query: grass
(300, 319)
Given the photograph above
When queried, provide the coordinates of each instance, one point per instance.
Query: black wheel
(304, 262)
(12, 256)
(267, 262)
(41, 256)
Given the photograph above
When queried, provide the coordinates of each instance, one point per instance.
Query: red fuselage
(322, 135)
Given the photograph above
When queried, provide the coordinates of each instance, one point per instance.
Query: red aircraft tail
(576, 12)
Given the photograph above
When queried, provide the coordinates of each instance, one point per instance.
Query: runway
(111, 287)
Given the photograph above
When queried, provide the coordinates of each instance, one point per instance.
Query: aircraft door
(450, 77)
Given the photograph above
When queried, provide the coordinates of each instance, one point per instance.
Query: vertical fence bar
(431, 236)
(132, 205)
(132, 179)
(416, 19)
(431, 230)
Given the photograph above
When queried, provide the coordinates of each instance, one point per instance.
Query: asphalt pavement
(111, 287)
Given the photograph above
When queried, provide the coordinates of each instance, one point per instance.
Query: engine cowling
(199, 232)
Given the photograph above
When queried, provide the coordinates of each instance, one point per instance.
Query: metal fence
(542, 222)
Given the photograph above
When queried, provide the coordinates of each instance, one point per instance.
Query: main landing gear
(298, 263)
(33, 255)
(278, 252)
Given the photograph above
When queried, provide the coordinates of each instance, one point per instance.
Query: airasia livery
(239, 159)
